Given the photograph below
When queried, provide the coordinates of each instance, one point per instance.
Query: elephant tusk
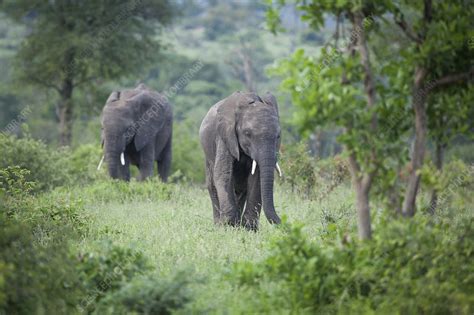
(278, 169)
(122, 159)
(254, 165)
(100, 163)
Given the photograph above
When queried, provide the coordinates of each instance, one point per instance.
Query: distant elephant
(137, 129)
(240, 136)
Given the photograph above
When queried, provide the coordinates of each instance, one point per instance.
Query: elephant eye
(247, 133)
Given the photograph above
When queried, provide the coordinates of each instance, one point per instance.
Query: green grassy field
(177, 234)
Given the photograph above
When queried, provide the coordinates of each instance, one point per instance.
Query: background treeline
(65, 84)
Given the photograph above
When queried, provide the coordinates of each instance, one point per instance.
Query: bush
(454, 184)
(83, 162)
(47, 167)
(188, 156)
(48, 214)
(37, 269)
(309, 177)
(410, 267)
(106, 270)
(13, 182)
(148, 295)
(35, 277)
(465, 152)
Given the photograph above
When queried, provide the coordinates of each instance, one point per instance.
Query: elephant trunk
(112, 156)
(114, 165)
(267, 169)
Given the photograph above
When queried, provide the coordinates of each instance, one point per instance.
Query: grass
(176, 232)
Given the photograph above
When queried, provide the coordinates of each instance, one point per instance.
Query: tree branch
(336, 33)
(88, 79)
(38, 81)
(452, 78)
(407, 30)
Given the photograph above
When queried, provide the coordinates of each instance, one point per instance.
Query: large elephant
(240, 136)
(137, 129)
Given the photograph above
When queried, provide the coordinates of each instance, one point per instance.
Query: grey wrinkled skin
(241, 128)
(137, 122)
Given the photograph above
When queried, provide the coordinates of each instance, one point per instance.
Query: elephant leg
(126, 172)
(213, 194)
(254, 203)
(164, 162)
(240, 185)
(146, 162)
(241, 199)
(223, 181)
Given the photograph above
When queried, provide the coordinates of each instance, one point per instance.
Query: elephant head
(130, 120)
(250, 125)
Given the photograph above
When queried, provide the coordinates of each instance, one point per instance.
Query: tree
(75, 43)
(438, 57)
(447, 112)
(343, 87)
(339, 88)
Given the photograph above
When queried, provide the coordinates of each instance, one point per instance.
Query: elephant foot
(250, 225)
(227, 220)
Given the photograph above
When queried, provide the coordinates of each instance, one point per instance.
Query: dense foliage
(410, 267)
(46, 167)
(310, 177)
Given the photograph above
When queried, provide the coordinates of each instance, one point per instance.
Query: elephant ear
(270, 99)
(226, 122)
(114, 96)
(150, 120)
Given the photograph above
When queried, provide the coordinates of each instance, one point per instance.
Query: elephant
(240, 136)
(137, 129)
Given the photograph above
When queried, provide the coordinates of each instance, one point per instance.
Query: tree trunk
(418, 154)
(64, 107)
(363, 210)
(394, 200)
(362, 186)
(439, 166)
(363, 181)
(246, 69)
(65, 113)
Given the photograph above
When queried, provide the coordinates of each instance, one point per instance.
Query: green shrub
(47, 167)
(51, 167)
(454, 184)
(35, 277)
(188, 156)
(50, 215)
(13, 182)
(465, 152)
(106, 269)
(310, 177)
(299, 169)
(410, 267)
(148, 295)
(83, 162)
